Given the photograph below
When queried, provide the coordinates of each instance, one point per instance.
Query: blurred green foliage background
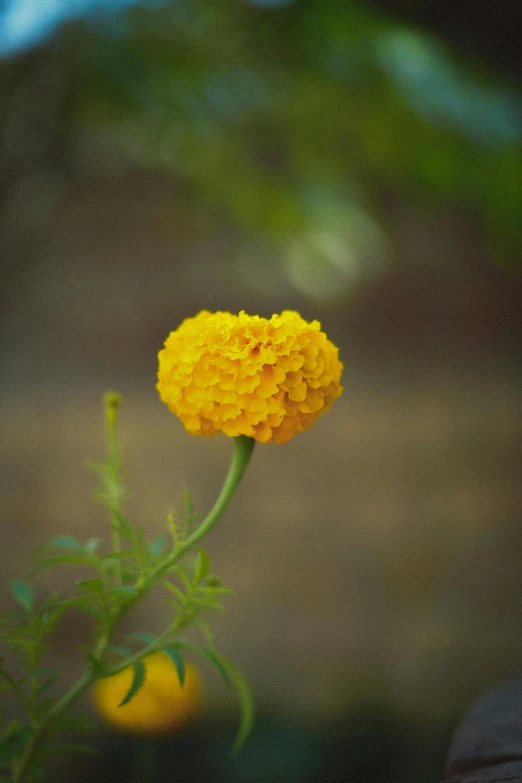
(362, 163)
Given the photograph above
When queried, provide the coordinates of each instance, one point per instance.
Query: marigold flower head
(160, 706)
(247, 375)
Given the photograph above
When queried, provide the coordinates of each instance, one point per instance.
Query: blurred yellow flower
(160, 706)
(247, 375)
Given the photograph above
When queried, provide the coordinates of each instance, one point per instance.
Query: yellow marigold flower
(247, 375)
(160, 706)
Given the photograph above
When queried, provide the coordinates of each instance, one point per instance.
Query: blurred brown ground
(378, 552)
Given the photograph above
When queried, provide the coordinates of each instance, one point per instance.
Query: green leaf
(210, 655)
(233, 677)
(123, 590)
(202, 565)
(246, 701)
(173, 529)
(123, 651)
(97, 665)
(79, 559)
(95, 584)
(205, 629)
(64, 542)
(183, 578)
(124, 527)
(37, 673)
(137, 682)
(13, 744)
(10, 682)
(23, 593)
(211, 605)
(179, 594)
(157, 546)
(144, 636)
(47, 683)
(178, 661)
(92, 544)
(90, 608)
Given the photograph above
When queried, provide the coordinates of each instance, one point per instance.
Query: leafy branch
(121, 577)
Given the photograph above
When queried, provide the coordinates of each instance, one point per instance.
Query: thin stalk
(153, 647)
(243, 448)
(32, 747)
(112, 402)
(4, 674)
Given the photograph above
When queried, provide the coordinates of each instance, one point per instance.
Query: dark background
(361, 163)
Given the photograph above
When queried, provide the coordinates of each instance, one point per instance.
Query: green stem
(153, 647)
(40, 731)
(84, 681)
(112, 402)
(17, 689)
(243, 448)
